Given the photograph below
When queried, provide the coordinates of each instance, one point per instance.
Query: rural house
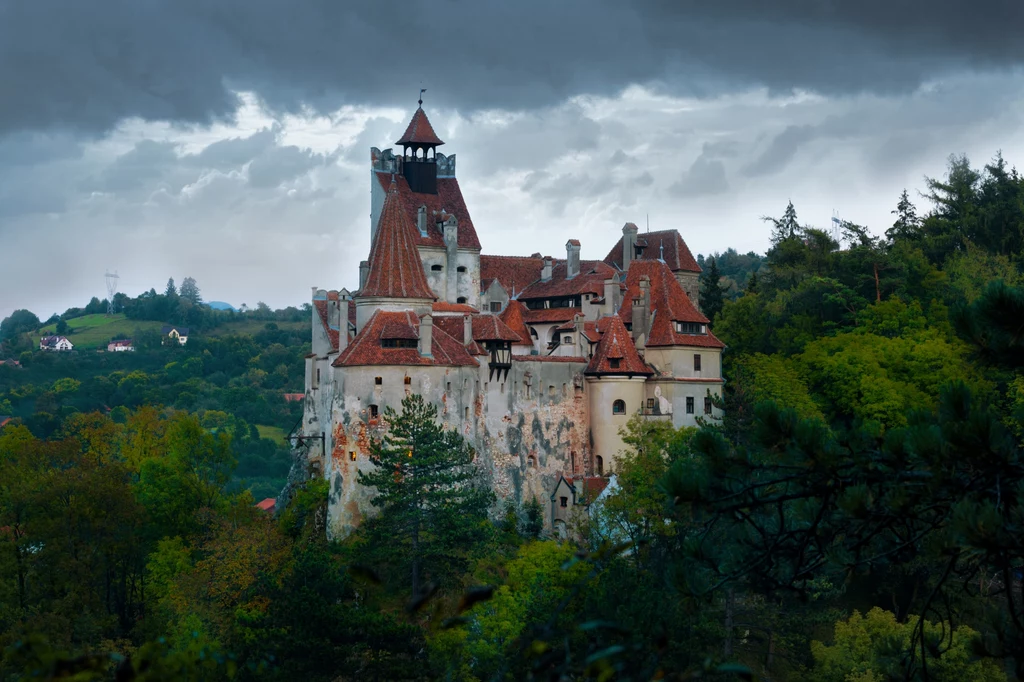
(179, 334)
(120, 346)
(57, 343)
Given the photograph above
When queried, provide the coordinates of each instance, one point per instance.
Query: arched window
(619, 407)
(460, 299)
(533, 332)
(436, 268)
(461, 268)
(599, 462)
(531, 462)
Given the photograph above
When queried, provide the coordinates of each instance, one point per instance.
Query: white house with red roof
(537, 361)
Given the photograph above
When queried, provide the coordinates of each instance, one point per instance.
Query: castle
(537, 361)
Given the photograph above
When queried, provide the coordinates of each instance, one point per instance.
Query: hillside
(90, 332)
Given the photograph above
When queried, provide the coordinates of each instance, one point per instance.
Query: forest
(857, 515)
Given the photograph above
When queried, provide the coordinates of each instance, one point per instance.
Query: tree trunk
(878, 289)
(727, 646)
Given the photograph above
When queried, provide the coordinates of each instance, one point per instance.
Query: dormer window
(614, 363)
(695, 328)
(436, 268)
(460, 299)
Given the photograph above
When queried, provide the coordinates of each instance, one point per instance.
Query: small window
(408, 381)
(436, 268)
(378, 381)
(650, 403)
(352, 455)
(696, 362)
(565, 501)
(565, 390)
(318, 375)
(614, 363)
(373, 412)
(460, 299)
(449, 389)
(619, 407)
(531, 462)
(503, 387)
(707, 405)
(467, 413)
(495, 306)
(551, 390)
(533, 332)
(572, 461)
(566, 339)
(461, 268)
(689, 405)
(599, 462)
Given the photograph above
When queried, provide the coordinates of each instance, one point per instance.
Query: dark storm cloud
(87, 65)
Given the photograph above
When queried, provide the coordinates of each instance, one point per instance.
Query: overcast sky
(229, 141)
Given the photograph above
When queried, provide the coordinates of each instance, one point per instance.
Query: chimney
(572, 258)
(421, 220)
(364, 272)
(629, 231)
(333, 312)
(467, 330)
(451, 242)
(611, 289)
(641, 309)
(579, 322)
(426, 335)
(545, 273)
(343, 305)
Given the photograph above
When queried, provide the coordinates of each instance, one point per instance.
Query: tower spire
(422, 90)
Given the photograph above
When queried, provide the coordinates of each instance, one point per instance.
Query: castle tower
(419, 153)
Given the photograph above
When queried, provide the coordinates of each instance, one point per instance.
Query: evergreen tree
(907, 222)
(170, 291)
(431, 507)
(786, 227)
(711, 295)
(190, 291)
(752, 283)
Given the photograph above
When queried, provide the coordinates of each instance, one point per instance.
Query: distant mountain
(221, 305)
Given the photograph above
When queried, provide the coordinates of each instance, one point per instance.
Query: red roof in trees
(669, 304)
(395, 267)
(589, 281)
(514, 273)
(267, 505)
(676, 253)
(512, 316)
(448, 199)
(420, 131)
(616, 344)
(590, 487)
(366, 348)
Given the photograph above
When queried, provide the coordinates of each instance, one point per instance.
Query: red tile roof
(617, 344)
(491, 328)
(514, 273)
(420, 131)
(366, 348)
(550, 358)
(549, 315)
(669, 304)
(512, 316)
(448, 198)
(294, 397)
(395, 267)
(445, 307)
(267, 505)
(590, 281)
(676, 253)
(590, 487)
(4, 421)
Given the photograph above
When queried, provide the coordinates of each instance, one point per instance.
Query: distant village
(59, 344)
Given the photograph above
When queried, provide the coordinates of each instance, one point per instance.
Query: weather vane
(422, 90)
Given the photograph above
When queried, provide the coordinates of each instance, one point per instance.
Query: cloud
(781, 151)
(705, 177)
(87, 66)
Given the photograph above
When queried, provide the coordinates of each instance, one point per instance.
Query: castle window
(461, 268)
(408, 381)
(352, 455)
(531, 462)
(696, 362)
(572, 461)
(689, 405)
(317, 376)
(467, 413)
(619, 407)
(565, 390)
(460, 299)
(436, 268)
(533, 332)
(449, 387)
(565, 501)
(374, 412)
(551, 390)
(495, 306)
(691, 328)
(650, 403)
(614, 363)
(599, 464)
(707, 405)
(566, 339)
(378, 381)
(398, 343)
(503, 388)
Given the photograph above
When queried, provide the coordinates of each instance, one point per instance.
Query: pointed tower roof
(420, 131)
(615, 352)
(512, 316)
(395, 267)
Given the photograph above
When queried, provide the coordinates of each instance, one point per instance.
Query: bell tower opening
(419, 153)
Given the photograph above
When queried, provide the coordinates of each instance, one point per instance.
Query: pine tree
(786, 227)
(752, 284)
(431, 507)
(170, 291)
(711, 296)
(907, 222)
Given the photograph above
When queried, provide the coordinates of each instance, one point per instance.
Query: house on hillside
(294, 397)
(4, 420)
(57, 343)
(268, 505)
(121, 346)
(10, 363)
(179, 334)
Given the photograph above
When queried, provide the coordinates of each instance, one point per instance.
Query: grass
(274, 433)
(96, 331)
(253, 327)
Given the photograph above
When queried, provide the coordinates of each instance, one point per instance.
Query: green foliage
(872, 647)
(711, 294)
